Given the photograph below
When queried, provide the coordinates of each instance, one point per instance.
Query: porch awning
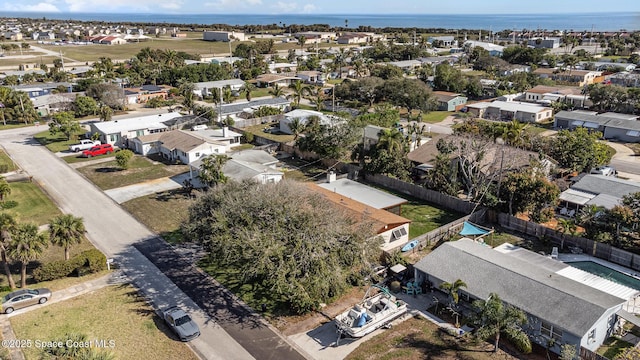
(577, 123)
(633, 133)
(576, 197)
(629, 317)
(591, 125)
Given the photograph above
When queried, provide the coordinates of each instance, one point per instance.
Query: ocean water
(613, 21)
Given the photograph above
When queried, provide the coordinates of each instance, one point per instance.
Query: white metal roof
(367, 195)
(595, 281)
(135, 123)
(576, 197)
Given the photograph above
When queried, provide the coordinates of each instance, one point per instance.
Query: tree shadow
(107, 170)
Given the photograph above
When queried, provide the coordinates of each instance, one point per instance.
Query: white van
(199, 127)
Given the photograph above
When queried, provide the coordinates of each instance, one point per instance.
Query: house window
(139, 132)
(197, 154)
(114, 137)
(592, 336)
(464, 296)
(549, 331)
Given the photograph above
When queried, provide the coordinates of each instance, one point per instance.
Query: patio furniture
(564, 211)
(571, 213)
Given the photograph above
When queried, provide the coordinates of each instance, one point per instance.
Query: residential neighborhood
(295, 191)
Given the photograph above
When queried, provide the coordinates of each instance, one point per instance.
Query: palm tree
(299, 90)
(247, 88)
(210, 172)
(7, 226)
(171, 59)
(494, 318)
(186, 89)
(302, 40)
(5, 188)
(65, 231)
(566, 226)
(453, 288)
(276, 91)
(106, 113)
(514, 133)
(28, 244)
(391, 139)
(296, 126)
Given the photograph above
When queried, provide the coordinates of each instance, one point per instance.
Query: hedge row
(90, 261)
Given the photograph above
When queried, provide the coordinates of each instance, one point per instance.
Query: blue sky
(321, 6)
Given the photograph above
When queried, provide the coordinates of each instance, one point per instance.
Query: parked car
(23, 298)
(604, 170)
(83, 145)
(98, 150)
(181, 323)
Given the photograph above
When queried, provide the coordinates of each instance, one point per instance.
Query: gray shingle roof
(600, 184)
(534, 288)
(235, 108)
(603, 120)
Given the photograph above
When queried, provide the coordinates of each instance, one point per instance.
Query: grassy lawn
(421, 339)
(109, 176)
(257, 130)
(436, 116)
(425, 217)
(115, 313)
(259, 92)
(243, 147)
(5, 160)
(612, 347)
(301, 170)
(166, 222)
(33, 204)
(72, 159)
(55, 143)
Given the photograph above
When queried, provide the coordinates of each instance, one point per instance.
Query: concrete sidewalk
(130, 192)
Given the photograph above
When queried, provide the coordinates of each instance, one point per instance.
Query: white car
(604, 170)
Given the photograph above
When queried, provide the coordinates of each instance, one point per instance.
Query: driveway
(114, 231)
(130, 192)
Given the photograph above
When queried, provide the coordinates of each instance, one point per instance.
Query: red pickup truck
(98, 150)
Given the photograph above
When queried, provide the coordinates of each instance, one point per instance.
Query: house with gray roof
(620, 127)
(254, 165)
(177, 145)
(118, 132)
(364, 194)
(206, 88)
(557, 307)
(237, 108)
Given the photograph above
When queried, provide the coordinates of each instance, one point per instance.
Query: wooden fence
(586, 354)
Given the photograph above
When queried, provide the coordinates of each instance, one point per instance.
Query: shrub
(4, 168)
(89, 261)
(9, 204)
(248, 137)
(123, 157)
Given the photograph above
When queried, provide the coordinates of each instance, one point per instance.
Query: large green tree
(495, 318)
(27, 245)
(64, 123)
(285, 240)
(84, 106)
(579, 150)
(411, 94)
(210, 172)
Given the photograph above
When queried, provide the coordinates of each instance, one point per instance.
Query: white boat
(372, 313)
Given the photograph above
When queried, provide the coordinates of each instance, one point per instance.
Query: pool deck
(633, 305)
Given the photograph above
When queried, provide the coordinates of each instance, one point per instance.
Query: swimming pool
(607, 273)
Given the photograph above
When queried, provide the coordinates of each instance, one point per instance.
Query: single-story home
(176, 145)
(443, 41)
(40, 89)
(353, 38)
(303, 116)
(493, 49)
(223, 36)
(371, 197)
(203, 89)
(509, 110)
(599, 190)
(624, 78)
(575, 77)
(620, 127)
(558, 305)
(144, 93)
(265, 80)
(247, 107)
(310, 76)
(48, 104)
(448, 101)
(393, 229)
(223, 136)
(255, 165)
(119, 132)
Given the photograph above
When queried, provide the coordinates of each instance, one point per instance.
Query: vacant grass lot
(416, 339)
(425, 217)
(109, 176)
(436, 116)
(258, 130)
(174, 206)
(115, 313)
(33, 204)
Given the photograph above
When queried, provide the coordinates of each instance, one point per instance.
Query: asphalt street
(114, 231)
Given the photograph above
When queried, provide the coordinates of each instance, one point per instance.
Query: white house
(223, 136)
(207, 88)
(176, 145)
(117, 132)
(254, 165)
(303, 116)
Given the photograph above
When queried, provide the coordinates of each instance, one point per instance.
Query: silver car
(23, 298)
(181, 323)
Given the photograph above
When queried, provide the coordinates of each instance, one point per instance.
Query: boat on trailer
(375, 311)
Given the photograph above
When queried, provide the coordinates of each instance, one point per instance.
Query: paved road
(113, 231)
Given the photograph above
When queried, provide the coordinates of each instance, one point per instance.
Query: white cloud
(174, 5)
(309, 8)
(254, 2)
(111, 5)
(285, 6)
(233, 5)
(46, 6)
